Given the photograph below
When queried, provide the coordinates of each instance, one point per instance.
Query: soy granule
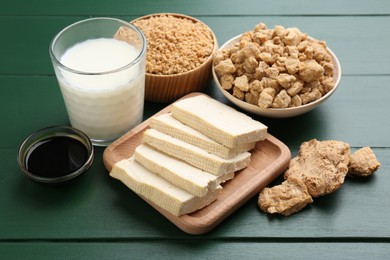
(175, 44)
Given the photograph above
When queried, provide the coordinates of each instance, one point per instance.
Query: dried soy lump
(319, 168)
(363, 162)
(322, 166)
(289, 197)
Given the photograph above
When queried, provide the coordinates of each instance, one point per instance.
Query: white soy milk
(109, 102)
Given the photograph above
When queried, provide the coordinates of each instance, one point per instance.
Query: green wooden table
(98, 217)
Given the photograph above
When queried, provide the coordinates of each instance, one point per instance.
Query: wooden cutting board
(268, 160)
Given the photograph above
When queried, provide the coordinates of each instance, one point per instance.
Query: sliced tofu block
(167, 124)
(177, 172)
(158, 190)
(218, 121)
(194, 155)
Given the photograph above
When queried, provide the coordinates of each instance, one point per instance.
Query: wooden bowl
(168, 88)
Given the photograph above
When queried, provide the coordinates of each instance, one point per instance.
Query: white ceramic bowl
(279, 112)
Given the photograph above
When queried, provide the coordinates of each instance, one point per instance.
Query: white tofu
(218, 121)
(194, 155)
(169, 125)
(158, 190)
(177, 172)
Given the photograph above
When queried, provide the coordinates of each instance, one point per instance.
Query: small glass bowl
(51, 132)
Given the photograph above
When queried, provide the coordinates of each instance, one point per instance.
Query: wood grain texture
(343, 35)
(199, 7)
(98, 217)
(269, 159)
(190, 249)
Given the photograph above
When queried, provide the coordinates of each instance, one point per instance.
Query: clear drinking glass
(104, 101)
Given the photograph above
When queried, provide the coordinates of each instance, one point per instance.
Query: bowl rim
(209, 58)
(264, 111)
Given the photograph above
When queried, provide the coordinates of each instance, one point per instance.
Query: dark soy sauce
(56, 156)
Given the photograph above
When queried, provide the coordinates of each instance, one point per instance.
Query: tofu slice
(218, 121)
(167, 124)
(158, 190)
(177, 172)
(194, 155)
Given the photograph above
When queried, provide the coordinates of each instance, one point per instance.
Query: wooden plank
(199, 7)
(28, 104)
(359, 42)
(356, 119)
(355, 114)
(346, 214)
(195, 249)
(27, 49)
(100, 207)
(99, 218)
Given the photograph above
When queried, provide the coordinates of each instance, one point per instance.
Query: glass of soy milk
(100, 68)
